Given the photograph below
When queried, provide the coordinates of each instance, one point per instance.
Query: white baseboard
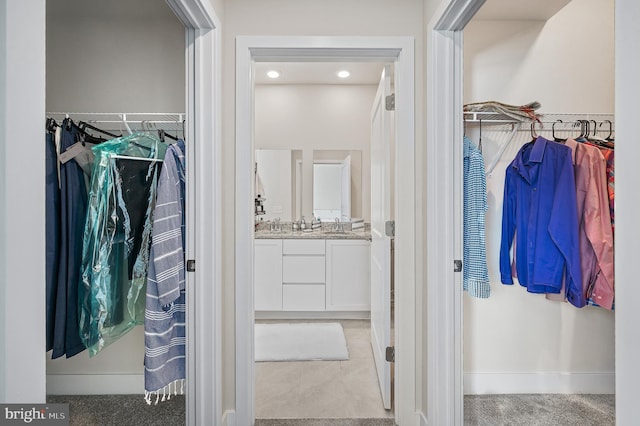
(539, 382)
(229, 418)
(95, 384)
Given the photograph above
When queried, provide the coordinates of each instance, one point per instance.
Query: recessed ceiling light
(343, 74)
(273, 74)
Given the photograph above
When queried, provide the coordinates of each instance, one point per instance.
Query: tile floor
(323, 389)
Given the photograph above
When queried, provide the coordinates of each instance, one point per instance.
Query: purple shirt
(540, 211)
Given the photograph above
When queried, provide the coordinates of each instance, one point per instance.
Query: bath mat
(300, 342)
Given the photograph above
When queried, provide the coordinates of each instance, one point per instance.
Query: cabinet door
(303, 297)
(348, 271)
(268, 275)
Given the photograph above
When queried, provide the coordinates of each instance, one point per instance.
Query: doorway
(310, 115)
(388, 49)
(445, 44)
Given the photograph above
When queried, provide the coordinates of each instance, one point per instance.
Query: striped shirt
(164, 322)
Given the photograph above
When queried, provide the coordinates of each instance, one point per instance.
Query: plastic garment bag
(115, 251)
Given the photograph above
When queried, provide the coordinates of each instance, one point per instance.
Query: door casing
(444, 210)
(400, 50)
(203, 49)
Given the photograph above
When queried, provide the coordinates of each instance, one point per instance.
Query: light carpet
(300, 342)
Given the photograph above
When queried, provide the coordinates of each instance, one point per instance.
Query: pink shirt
(594, 222)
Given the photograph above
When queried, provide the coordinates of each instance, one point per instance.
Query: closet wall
(111, 57)
(516, 341)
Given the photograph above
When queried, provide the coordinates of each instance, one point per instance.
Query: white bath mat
(300, 342)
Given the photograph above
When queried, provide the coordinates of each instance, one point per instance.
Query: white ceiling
(319, 72)
(527, 10)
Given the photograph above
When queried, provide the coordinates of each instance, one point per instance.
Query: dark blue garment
(540, 211)
(73, 209)
(52, 200)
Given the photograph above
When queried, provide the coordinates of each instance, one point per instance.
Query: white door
(380, 243)
(345, 204)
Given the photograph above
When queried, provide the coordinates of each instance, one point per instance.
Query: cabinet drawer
(303, 297)
(303, 247)
(303, 269)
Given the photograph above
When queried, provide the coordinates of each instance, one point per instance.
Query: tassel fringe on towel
(166, 392)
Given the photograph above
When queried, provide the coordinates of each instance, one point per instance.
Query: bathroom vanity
(312, 272)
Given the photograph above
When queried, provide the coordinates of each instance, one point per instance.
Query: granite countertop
(325, 233)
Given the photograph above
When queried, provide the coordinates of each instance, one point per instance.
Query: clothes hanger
(162, 135)
(51, 124)
(583, 129)
(480, 138)
(83, 125)
(553, 132)
(534, 134)
(608, 138)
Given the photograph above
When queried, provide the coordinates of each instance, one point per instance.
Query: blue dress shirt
(540, 211)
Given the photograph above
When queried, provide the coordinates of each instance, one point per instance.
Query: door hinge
(457, 265)
(390, 354)
(390, 102)
(191, 265)
(390, 228)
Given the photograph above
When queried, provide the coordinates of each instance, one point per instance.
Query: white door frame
(204, 211)
(444, 210)
(272, 48)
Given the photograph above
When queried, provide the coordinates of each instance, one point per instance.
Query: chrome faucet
(275, 225)
(339, 225)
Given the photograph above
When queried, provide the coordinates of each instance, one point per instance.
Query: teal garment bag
(117, 237)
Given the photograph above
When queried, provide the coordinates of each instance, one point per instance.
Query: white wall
(111, 57)
(22, 259)
(319, 117)
(627, 31)
(114, 57)
(517, 336)
(299, 17)
(565, 68)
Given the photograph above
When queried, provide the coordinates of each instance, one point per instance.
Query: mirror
(296, 183)
(332, 185)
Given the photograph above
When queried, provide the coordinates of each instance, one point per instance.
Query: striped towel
(164, 322)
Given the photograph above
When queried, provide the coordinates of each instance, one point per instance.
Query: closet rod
(125, 117)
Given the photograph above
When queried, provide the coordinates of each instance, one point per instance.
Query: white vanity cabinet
(268, 275)
(303, 275)
(312, 275)
(347, 282)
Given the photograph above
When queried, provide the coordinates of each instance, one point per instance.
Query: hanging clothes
(52, 226)
(164, 322)
(608, 154)
(603, 293)
(475, 270)
(116, 238)
(594, 223)
(73, 208)
(540, 212)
